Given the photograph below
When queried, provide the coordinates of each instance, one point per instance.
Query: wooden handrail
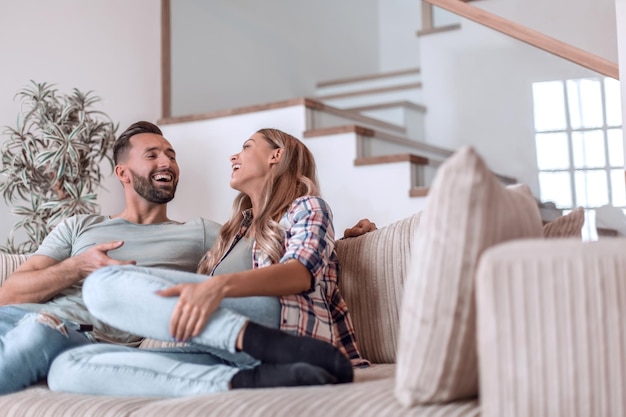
(530, 36)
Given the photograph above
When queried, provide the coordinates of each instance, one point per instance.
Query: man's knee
(47, 331)
(35, 323)
(27, 350)
(53, 322)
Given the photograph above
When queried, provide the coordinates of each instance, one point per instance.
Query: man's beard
(145, 188)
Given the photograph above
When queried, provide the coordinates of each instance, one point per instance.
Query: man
(42, 312)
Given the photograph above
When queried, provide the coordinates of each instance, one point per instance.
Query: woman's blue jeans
(124, 297)
(29, 341)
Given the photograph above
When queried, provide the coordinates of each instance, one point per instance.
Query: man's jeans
(29, 342)
(124, 297)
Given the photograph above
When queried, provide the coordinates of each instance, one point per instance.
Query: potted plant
(52, 160)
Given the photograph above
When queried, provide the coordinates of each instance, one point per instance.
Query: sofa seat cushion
(371, 395)
(468, 210)
(39, 401)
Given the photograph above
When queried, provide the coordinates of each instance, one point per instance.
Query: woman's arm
(309, 248)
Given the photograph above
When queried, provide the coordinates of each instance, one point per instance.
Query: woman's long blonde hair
(292, 177)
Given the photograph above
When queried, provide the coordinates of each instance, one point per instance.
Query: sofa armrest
(551, 332)
(9, 263)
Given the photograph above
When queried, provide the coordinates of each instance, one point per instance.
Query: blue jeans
(29, 342)
(124, 297)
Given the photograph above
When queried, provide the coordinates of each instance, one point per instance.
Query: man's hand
(362, 227)
(97, 257)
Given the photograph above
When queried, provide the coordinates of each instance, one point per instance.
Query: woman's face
(252, 165)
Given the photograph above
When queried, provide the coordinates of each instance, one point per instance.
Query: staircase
(390, 100)
(389, 117)
(392, 97)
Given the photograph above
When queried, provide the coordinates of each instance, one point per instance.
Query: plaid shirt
(321, 311)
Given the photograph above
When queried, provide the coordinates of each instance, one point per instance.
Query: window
(580, 147)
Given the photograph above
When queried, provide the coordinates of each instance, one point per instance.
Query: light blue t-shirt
(170, 245)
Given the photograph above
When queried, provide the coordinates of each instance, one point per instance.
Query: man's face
(153, 168)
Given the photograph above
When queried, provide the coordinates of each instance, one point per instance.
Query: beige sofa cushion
(552, 339)
(566, 226)
(39, 401)
(372, 271)
(467, 211)
(371, 396)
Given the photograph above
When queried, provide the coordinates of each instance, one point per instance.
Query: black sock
(268, 375)
(275, 346)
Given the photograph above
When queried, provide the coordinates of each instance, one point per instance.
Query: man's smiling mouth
(163, 177)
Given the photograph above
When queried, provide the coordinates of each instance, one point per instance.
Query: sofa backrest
(8, 264)
(371, 278)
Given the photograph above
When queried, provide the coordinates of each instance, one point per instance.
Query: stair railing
(521, 33)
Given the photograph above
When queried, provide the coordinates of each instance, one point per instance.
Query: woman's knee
(99, 288)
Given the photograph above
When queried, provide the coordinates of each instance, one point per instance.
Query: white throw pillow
(568, 226)
(467, 211)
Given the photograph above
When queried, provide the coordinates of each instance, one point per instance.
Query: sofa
(471, 307)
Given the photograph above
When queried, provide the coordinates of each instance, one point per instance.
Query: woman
(282, 323)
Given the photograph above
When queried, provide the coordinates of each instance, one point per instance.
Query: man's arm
(41, 277)
(362, 227)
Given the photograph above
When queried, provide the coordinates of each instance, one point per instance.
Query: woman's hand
(196, 302)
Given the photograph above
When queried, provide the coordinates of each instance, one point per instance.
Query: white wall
(229, 54)
(620, 17)
(109, 46)
(398, 23)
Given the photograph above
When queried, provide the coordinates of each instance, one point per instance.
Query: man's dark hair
(122, 144)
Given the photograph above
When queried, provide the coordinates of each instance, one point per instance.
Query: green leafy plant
(52, 159)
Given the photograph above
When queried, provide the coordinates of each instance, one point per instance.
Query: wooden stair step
(386, 159)
(389, 105)
(369, 77)
(372, 91)
(419, 191)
